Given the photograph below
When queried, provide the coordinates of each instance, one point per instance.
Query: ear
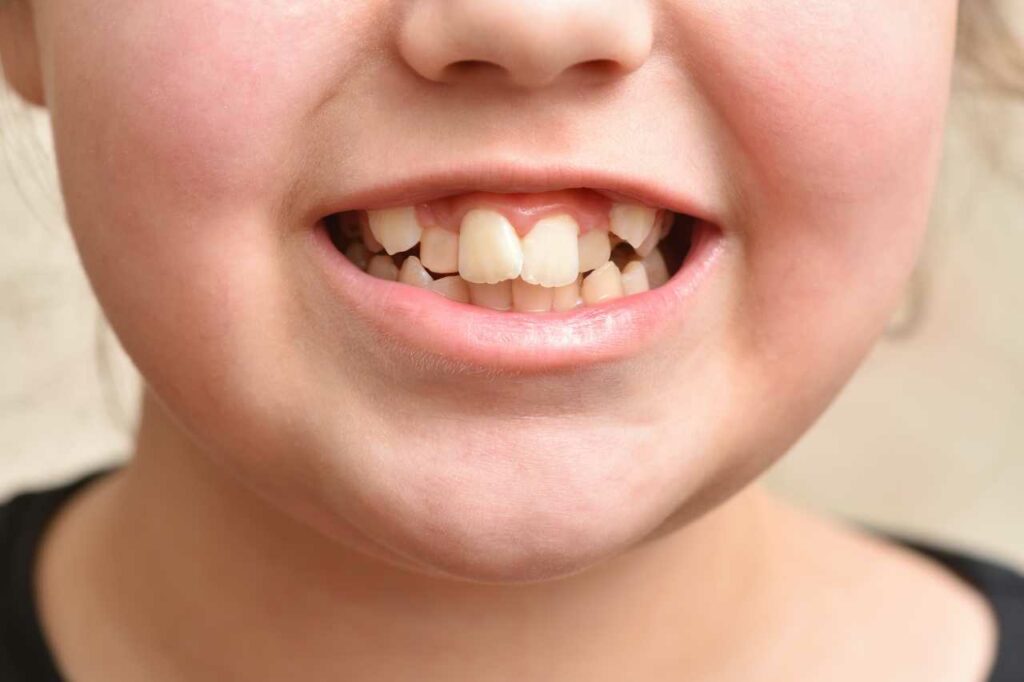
(19, 53)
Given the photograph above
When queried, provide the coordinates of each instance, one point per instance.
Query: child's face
(200, 142)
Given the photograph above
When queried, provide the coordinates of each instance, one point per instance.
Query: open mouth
(518, 281)
(528, 253)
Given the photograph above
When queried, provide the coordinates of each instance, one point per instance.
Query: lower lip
(480, 338)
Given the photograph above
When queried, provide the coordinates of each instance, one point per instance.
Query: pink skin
(199, 141)
(588, 208)
(191, 155)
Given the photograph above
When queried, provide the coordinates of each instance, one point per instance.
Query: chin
(522, 509)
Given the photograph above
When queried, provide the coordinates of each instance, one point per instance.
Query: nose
(530, 43)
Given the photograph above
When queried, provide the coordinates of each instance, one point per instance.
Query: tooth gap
(622, 253)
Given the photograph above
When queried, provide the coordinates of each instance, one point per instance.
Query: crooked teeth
(634, 278)
(489, 250)
(551, 253)
(439, 250)
(595, 248)
(657, 271)
(602, 284)
(383, 267)
(414, 273)
(632, 222)
(397, 229)
(545, 270)
(650, 242)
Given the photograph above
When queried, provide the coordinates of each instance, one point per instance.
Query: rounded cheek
(177, 155)
(832, 115)
(832, 101)
(176, 148)
(167, 104)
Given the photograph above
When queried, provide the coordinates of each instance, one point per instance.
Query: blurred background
(927, 440)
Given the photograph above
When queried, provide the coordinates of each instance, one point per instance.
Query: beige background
(928, 438)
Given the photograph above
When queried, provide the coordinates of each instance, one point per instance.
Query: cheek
(832, 114)
(200, 101)
(179, 129)
(830, 100)
(177, 134)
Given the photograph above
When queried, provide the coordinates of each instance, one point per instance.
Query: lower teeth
(628, 271)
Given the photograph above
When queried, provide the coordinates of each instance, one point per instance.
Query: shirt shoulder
(1001, 585)
(24, 656)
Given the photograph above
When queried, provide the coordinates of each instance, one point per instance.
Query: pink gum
(588, 208)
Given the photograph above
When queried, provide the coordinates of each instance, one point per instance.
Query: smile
(534, 253)
(520, 281)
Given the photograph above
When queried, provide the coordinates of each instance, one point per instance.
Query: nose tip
(528, 43)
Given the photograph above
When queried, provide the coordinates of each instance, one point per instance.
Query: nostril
(528, 43)
(602, 68)
(471, 67)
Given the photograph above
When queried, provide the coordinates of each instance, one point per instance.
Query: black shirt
(25, 656)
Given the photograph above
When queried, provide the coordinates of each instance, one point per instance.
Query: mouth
(519, 281)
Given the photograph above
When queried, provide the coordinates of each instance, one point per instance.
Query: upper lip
(406, 189)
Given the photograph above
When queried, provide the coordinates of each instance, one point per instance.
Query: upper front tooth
(595, 249)
(397, 229)
(632, 222)
(439, 250)
(489, 250)
(550, 252)
(651, 240)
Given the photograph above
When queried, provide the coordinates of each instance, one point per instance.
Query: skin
(303, 504)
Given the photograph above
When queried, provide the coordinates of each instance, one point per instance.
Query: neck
(263, 596)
